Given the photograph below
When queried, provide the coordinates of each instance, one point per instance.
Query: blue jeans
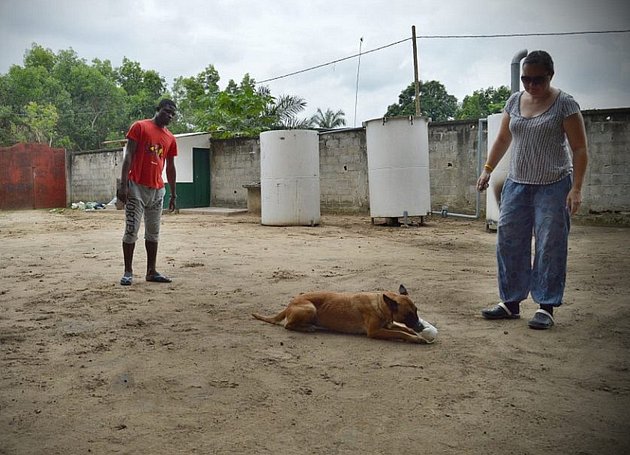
(541, 210)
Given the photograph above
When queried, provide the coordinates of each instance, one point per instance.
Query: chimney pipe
(516, 69)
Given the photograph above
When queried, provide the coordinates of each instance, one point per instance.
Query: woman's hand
(574, 200)
(483, 181)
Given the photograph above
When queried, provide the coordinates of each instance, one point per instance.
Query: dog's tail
(277, 319)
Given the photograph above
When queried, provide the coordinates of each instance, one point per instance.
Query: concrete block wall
(607, 180)
(343, 171)
(453, 165)
(92, 175)
(233, 163)
(344, 176)
(342, 164)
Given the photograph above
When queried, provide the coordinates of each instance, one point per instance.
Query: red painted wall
(32, 176)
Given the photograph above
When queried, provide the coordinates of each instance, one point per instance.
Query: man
(149, 145)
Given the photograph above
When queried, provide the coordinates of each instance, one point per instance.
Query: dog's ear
(402, 290)
(391, 303)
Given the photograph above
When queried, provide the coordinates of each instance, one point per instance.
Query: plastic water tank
(289, 178)
(398, 167)
(498, 176)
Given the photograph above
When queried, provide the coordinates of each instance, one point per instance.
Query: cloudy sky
(271, 38)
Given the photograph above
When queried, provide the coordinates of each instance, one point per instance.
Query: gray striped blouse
(540, 153)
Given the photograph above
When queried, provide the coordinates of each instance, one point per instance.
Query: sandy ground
(89, 366)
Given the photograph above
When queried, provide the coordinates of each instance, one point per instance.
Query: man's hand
(171, 203)
(122, 193)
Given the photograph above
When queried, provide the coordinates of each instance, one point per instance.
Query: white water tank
(498, 176)
(289, 178)
(398, 167)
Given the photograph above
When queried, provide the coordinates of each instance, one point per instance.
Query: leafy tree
(97, 103)
(38, 56)
(143, 87)
(64, 100)
(90, 100)
(21, 85)
(328, 119)
(238, 110)
(435, 102)
(483, 103)
(194, 97)
(40, 121)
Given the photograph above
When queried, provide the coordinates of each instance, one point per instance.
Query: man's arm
(171, 176)
(123, 191)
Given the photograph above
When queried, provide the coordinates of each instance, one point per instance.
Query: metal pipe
(516, 70)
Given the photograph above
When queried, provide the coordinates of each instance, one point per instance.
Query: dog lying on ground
(382, 315)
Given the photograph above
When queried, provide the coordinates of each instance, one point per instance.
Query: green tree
(31, 83)
(40, 122)
(144, 88)
(435, 102)
(238, 110)
(282, 113)
(97, 103)
(70, 103)
(328, 119)
(195, 97)
(483, 103)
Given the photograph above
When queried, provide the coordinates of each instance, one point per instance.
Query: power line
(334, 61)
(506, 35)
(512, 35)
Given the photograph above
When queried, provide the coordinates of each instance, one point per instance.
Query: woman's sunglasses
(533, 80)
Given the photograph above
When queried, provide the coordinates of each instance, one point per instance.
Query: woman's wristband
(488, 168)
(173, 197)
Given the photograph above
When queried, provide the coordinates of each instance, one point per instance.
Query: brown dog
(383, 315)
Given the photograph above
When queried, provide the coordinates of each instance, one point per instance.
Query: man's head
(164, 112)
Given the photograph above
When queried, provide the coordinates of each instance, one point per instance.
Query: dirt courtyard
(89, 366)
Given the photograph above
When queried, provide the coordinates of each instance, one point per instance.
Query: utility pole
(356, 95)
(415, 69)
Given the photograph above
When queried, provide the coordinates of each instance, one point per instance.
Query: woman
(542, 190)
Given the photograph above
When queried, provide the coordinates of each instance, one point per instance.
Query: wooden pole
(415, 69)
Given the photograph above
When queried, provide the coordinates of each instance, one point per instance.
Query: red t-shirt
(154, 146)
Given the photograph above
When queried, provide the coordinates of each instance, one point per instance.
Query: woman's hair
(541, 58)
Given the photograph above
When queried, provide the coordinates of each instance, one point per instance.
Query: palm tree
(281, 113)
(328, 119)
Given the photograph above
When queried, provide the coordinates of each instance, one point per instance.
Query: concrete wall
(607, 178)
(92, 175)
(233, 163)
(342, 164)
(343, 168)
(343, 171)
(453, 165)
